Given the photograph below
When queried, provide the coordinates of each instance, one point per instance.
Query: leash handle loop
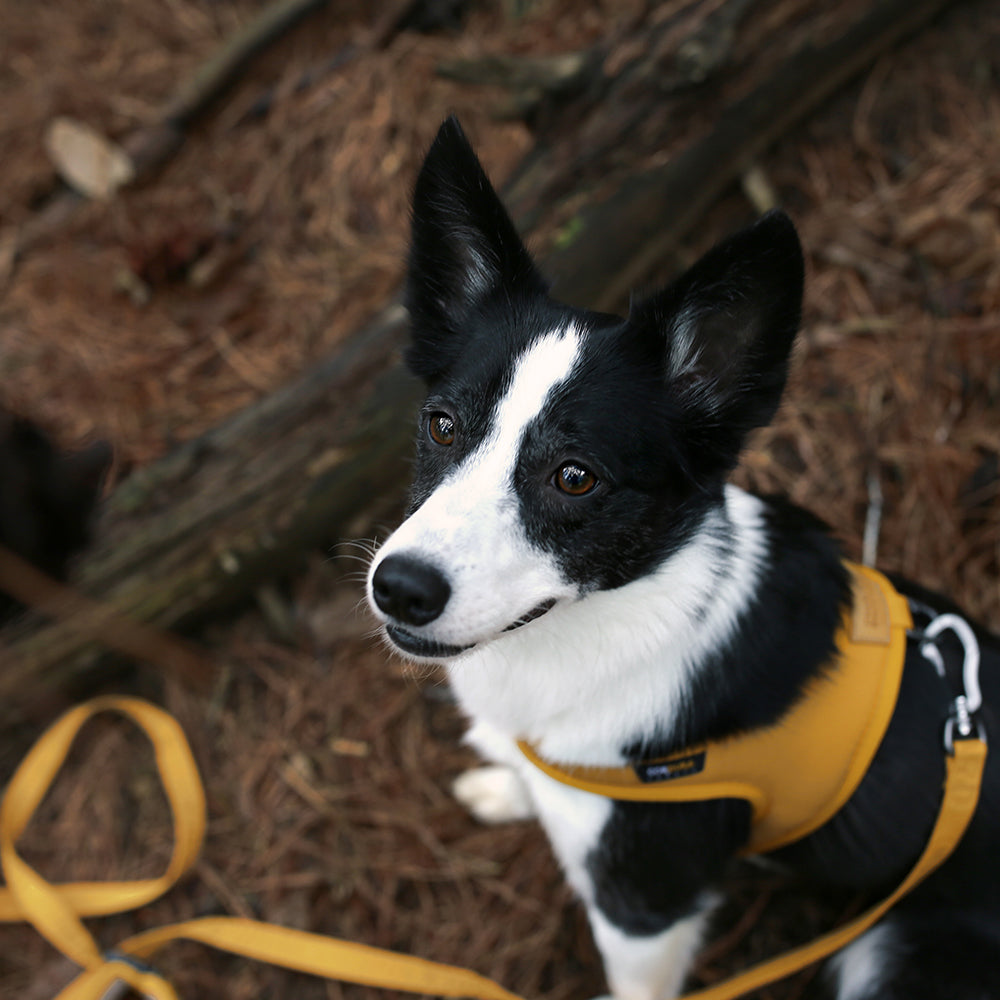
(56, 910)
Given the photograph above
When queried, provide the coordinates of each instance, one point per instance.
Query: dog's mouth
(419, 646)
(433, 649)
(535, 613)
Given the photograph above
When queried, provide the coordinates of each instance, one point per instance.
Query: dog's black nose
(410, 591)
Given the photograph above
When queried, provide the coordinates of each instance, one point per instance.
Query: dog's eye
(574, 479)
(441, 428)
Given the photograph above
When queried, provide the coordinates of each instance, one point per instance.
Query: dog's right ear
(727, 327)
(464, 250)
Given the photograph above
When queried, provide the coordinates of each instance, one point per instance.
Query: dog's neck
(673, 657)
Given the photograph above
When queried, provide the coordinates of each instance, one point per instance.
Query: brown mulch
(280, 226)
(276, 230)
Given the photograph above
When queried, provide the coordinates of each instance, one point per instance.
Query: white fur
(478, 272)
(649, 968)
(559, 681)
(683, 343)
(572, 819)
(494, 794)
(862, 967)
(590, 677)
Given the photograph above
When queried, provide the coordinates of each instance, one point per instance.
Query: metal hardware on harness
(962, 718)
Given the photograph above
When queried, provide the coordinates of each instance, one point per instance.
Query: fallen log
(197, 531)
(684, 189)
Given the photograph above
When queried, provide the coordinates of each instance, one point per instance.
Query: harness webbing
(964, 773)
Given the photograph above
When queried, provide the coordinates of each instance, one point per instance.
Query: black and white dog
(574, 556)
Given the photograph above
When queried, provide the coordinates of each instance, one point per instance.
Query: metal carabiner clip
(962, 718)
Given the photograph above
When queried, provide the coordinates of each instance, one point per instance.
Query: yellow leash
(56, 910)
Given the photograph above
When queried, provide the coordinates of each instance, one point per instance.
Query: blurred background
(203, 227)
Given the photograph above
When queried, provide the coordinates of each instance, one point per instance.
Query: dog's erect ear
(464, 249)
(728, 325)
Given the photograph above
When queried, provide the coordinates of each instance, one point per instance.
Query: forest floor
(279, 226)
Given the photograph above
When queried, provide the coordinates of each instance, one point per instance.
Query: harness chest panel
(797, 773)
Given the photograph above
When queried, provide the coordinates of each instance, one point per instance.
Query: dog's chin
(424, 648)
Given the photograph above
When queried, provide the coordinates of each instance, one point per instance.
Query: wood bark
(197, 531)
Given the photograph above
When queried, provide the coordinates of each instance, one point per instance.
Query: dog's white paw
(493, 794)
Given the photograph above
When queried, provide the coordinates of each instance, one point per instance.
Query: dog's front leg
(649, 889)
(648, 967)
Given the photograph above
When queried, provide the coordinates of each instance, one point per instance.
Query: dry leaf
(86, 160)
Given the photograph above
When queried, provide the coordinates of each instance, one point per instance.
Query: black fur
(464, 254)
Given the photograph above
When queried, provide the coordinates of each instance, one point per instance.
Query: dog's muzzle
(412, 593)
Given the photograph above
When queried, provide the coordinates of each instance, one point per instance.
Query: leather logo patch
(870, 620)
(671, 768)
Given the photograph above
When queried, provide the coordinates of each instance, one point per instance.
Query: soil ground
(279, 226)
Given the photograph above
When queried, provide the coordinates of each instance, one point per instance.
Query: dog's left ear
(727, 327)
(464, 250)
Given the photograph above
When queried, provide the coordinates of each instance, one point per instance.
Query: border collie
(576, 559)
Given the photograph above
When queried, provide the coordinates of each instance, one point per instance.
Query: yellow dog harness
(797, 773)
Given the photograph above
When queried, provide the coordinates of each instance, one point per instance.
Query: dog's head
(562, 451)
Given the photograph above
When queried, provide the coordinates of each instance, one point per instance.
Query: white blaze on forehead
(487, 471)
(546, 364)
